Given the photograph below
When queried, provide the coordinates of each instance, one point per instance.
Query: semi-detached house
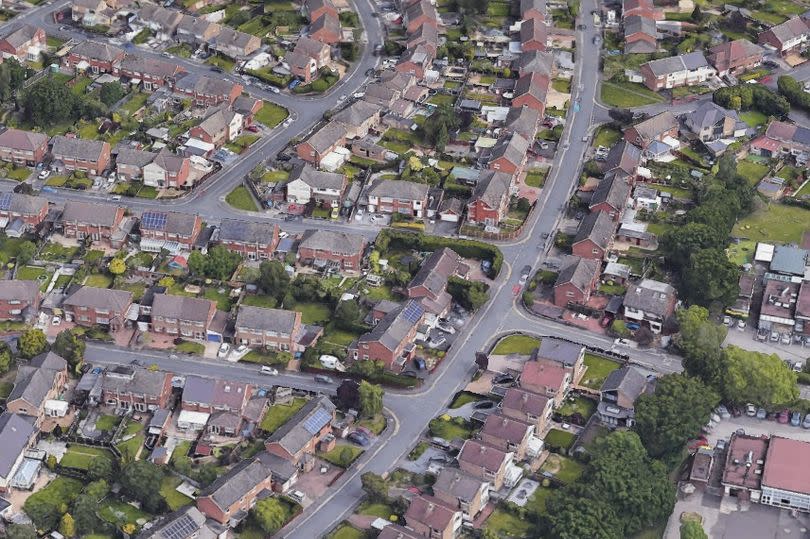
(307, 184)
(462, 491)
(134, 388)
(324, 248)
(683, 70)
(24, 43)
(788, 36)
(84, 155)
(98, 222)
(276, 329)
(490, 198)
(398, 196)
(485, 462)
(221, 125)
(207, 91)
(254, 240)
(130, 162)
(322, 142)
(17, 434)
(229, 499)
(151, 72)
(391, 340)
(650, 301)
(431, 517)
(161, 227)
(30, 209)
(90, 306)
(19, 300)
(167, 170)
(302, 433)
(37, 382)
(23, 147)
(182, 316)
(94, 57)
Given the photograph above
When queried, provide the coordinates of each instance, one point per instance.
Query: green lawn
(753, 118)
(30, 273)
(375, 424)
(278, 414)
(751, 171)
(337, 336)
(381, 510)
(442, 100)
(174, 499)
(222, 299)
(80, 456)
(579, 405)
(120, 513)
(271, 114)
(189, 347)
(606, 136)
(80, 85)
(504, 524)
(450, 428)
(598, 370)
(775, 223)
(181, 50)
(516, 344)
(241, 199)
(132, 446)
(275, 176)
(98, 280)
(60, 491)
(58, 252)
(628, 95)
(561, 85)
(134, 103)
(742, 252)
(565, 469)
(347, 531)
(536, 177)
(223, 62)
(464, 397)
(18, 173)
(242, 143)
(537, 503)
(560, 438)
(314, 313)
(342, 455)
(258, 300)
(676, 192)
(107, 422)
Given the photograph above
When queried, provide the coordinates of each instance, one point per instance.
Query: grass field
(313, 313)
(579, 405)
(174, 499)
(464, 397)
(753, 118)
(627, 95)
(606, 136)
(259, 300)
(132, 446)
(240, 199)
(565, 469)
(30, 273)
(536, 177)
(774, 223)
(751, 171)
(560, 438)
(61, 490)
(347, 531)
(98, 280)
(189, 347)
(107, 422)
(278, 414)
(516, 344)
(342, 455)
(120, 513)
(271, 114)
(504, 524)
(450, 428)
(134, 103)
(80, 456)
(598, 370)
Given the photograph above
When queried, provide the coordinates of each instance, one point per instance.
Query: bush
(803, 378)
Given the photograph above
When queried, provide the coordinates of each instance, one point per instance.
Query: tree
(71, 348)
(680, 242)
(140, 480)
(20, 531)
(348, 394)
(5, 357)
(84, 514)
(371, 399)
(570, 518)
(168, 281)
(759, 378)
(375, 486)
(469, 294)
(32, 342)
(711, 277)
(270, 515)
(43, 512)
(111, 93)
(96, 490)
(691, 529)
(700, 340)
(347, 314)
(67, 526)
(12, 76)
(197, 263)
(673, 414)
(49, 102)
(273, 279)
(100, 469)
(697, 15)
(25, 252)
(118, 266)
(221, 263)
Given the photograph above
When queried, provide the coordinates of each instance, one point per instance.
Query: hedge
(422, 242)
(803, 378)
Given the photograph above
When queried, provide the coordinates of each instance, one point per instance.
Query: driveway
(756, 427)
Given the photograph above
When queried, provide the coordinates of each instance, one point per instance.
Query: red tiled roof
(543, 373)
(786, 465)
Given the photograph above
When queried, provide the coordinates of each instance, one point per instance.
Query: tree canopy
(32, 342)
(71, 348)
(762, 379)
(371, 399)
(140, 480)
(691, 529)
(270, 514)
(273, 279)
(219, 263)
(700, 340)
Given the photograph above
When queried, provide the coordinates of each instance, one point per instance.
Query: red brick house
(133, 388)
(328, 248)
(594, 236)
(391, 340)
(528, 407)
(152, 73)
(275, 329)
(24, 43)
(39, 380)
(19, 300)
(611, 194)
(302, 433)
(185, 317)
(531, 90)
(547, 378)
(461, 491)
(325, 29)
(235, 493)
(533, 35)
(95, 57)
(431, 517)
(416, 60)
(507, 434)
(91, 156)
(418, 13)
(248, 107)
(640, 34)
(95, 221)
(32, 210)
(485, 462)
(90, 306)
(398, 196)
(509, 154)
(167, 170)
(314, 9)
(206, 91)
(170, 226)
(735, 57)
(656, 128)
(23, 147)
(253, 240)
(322, 142)
(490, 199)
(221, 125)
(576, 281)
(787, 37)
(533, 9)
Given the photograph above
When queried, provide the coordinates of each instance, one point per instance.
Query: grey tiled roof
(598, 227)
(36, 378)
(247, 231)
(100, 298)
(137, 381)
(628, 381)
(175, 223)
(97, 50)
(492, 187)
(265, 319)
(85, 212)
(400, 189)
(201, 84)
(535, 62)
(707, 115)
(78, 148)
(15, 431)
(512, 147)
(675, 64)
(318, 179)
(236, 483)
(395, 326)
(18, 139)
(613, 189)
(336, 242)
(650, 296)
(292, 435)
(436, 270)
(526, 5)
(357, 113)
(457, 483)
(558, 350)
(328, 135)
(580, 273)
(133, 157)
(523, 120)
(181, 307)
(19, 290)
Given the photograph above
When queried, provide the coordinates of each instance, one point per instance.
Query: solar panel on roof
(153, 220)
(317, 421)
(5, 200)
(181, 528)
(413, 312)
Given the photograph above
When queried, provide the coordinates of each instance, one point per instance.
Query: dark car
(527, 269)
(217, 69)
(323, 379)
(369, 72)
(357, 438)
(484, 405)
(420, 363)
(504, 379)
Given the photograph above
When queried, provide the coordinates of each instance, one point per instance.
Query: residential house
(186, 523)
(528, 407)
(611, 194)
(485, 462)
(645, 8)
(576, 281)
(684, 70)
(430, 517)
(650, 301)
(167, 170)
(91, 156)
(221, 402)
(162, 21)
(276, 329)
(509, 154)
(151, 72)
(302, 433)
(618, 394)
(29, 209)
(170, 226)
(98, 222)
(134, 388)
(541, 62)
(40, 380)
(625, 157)
(569, 355)
(322, 142)
(418, 13)
(90, 12)
(416, 60)
(711, 122)
(523, 120)
(398, 196)
(302, 66)
(660, 127)
(185, 317)
(640, 34)
(17, 434)
(248, 107)
(196, 30)
(783, 138)
(531, 90)
(735, 57)
(254, 240)
(489, 202)
(235, 44)
(207, 91)
(24, 43)
(391, 340)
(360, 118)
(325, 29)
(314, 9)
(533, 9)
(90, 306)
(19, 300)
(23, 147)
(787, 37)
(229, 498)
(94, 56)
(426, 34)
(395, 531)
(461, 491)
(594, 236)
(507, 434)
(307, 184)
(130, 162)
(327, 248)
(533, 35)
(221, 125)
(429, 285)
(547, 378)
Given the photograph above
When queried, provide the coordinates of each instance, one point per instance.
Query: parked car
(270, 371)
(241, 349)
(784, 416)
(750, 410)
(447, 328)
(436, 343)
(484, 405)
(357, 438)
(43, 174)
(796, 419)
(486, 266)
(419, 363)
(253, 128)
(785, 338)
(503, 379)
(323, 379)
(761, 413)
(806, 422)
(224, 350)
(774, 336)
(56, 320)
(728, 321)
(723, 412)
